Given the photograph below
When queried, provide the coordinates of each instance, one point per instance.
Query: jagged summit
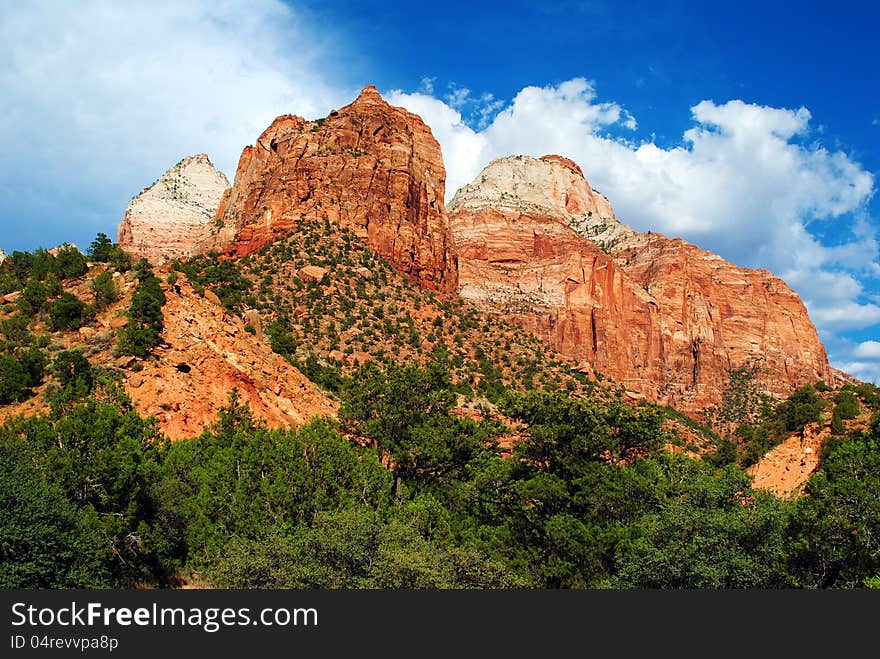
(369, 94)
(371, 167)
(170, 218)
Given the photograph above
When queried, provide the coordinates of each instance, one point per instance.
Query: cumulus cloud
(868, 350)
(747, 181)
(100, 97)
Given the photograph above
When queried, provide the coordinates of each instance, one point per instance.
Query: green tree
(71, 367)
(20, 372)
(70, 262)
(145, 321)
(45, 541)
(356, 547)
(714, 533)
(106, 460)
(835, 540)
(33, 298)
(101, 248)
(405, 412)
(105, 290)
(847, 405)
(802, 407)
(69, 313)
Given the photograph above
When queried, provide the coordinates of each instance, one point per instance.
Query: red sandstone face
(373, 168)
(565, 162)
(660, 316)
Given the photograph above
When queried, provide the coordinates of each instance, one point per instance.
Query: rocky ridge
(370, 167)
(171, 218)
(663, 317)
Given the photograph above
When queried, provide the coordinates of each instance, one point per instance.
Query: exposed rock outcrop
(206, 353)
(2, 256)
(662, 317)
(371, 167)
(174, 215)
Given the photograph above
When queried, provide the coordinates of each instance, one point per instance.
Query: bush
(71, 262)
(847, 405)
(33, 298)
(70, 366)
(802, 407)
(105, 290)
(45, 541)
(101, 248)
(145, 321)
(69, 313)
(21, 364)
(837, 425)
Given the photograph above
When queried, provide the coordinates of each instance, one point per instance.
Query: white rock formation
(168, 219)
(552, 186)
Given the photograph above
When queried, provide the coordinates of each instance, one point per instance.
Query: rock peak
(370, 94)
(565, 162)
(370, 167)
(666, 319)
(552, 184)
(168, 219)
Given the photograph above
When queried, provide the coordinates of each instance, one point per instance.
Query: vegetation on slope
(417, 497)
(405, 491)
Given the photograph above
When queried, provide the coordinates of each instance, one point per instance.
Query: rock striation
(660, 316)
(172, 217)
(370, 167)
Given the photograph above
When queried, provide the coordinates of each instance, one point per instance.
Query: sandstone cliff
(663, 317)
(171, 217)
(370, 167)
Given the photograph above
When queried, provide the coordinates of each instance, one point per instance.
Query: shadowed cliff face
(661, 316)
(370, 167)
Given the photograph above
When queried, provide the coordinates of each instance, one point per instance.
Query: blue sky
(748, 129)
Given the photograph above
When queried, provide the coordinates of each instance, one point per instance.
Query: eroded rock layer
(373, 168)
(173, 216)
(662, 317)
(206, 353)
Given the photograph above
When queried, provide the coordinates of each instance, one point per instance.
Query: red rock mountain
(371, 167)
(529, 238)
(662, 317)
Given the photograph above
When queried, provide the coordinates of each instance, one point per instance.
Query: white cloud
(746, 182)
(100, 97)
(864, 371)
(845, 315)
(458, 97)
(868, 350)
